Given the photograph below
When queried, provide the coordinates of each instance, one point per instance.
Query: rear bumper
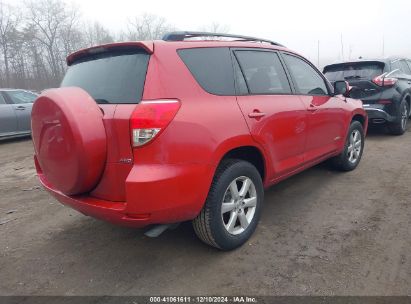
(156, 194)
(105, 210)
(377, 115)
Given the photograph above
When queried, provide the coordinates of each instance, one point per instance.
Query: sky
(361, 25)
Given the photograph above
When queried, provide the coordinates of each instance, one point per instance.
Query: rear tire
(400, 126)
(350, 157)
(233, 206)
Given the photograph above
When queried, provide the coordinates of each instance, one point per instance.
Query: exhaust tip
(157, 230)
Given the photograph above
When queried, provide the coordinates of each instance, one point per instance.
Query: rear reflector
(150, 118)
(383, 81)
(143, 216)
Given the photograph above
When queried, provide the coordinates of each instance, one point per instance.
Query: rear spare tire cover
(69, 139)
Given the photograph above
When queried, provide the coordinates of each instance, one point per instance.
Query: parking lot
(322, 233)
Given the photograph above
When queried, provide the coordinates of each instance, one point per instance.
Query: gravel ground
(321, 233)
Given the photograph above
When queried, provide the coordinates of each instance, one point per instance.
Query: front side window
(19, 97)
(263, 72)
(307, 79)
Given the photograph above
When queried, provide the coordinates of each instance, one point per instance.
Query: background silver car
(15, 112)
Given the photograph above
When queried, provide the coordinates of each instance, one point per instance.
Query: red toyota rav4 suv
(160, 132)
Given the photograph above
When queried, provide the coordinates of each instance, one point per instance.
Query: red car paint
(167, 180)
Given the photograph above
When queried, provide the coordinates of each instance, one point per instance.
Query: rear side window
(212, 69)
(110, 77)
(307, 79)
(263, 72)
(396, 65)
(241, 85)
(358, 70)
(405, 67)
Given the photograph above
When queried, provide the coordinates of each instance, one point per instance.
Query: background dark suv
(384, 86)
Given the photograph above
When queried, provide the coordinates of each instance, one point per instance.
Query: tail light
(384, 81)
(384, 102)
(150, 118)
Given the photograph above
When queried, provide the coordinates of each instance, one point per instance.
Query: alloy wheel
(354, 146)
(404, 117)
(239, 205)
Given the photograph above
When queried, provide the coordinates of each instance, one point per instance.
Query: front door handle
(256, 114)
(20, 108)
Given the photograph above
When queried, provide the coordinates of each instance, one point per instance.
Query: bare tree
(69, 37)
(147, 27)
(39, 74)
(96, 34)
(8, 32)
(215, 27)
(49, 18)
(37, 35)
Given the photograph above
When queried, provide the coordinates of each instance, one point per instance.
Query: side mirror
(341, 88)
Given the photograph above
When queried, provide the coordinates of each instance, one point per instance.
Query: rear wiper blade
(101, 100)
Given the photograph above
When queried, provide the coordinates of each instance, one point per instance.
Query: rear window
(110, 77)
(362, 70)
(212, 69)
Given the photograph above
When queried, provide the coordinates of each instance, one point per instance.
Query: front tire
(400, 126)
(232, 210)
(350, 157)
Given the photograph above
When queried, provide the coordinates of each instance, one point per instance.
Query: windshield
(362, 70)
(18, 97)
(110, 77)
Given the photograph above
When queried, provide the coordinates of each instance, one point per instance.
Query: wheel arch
(360, 118)
(248, 153)
(244, 148)
(358, 114)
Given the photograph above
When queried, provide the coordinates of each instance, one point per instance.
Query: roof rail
(181, 36)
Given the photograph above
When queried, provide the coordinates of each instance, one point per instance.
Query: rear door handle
(312, 108)
(256, 114)
(20, 108)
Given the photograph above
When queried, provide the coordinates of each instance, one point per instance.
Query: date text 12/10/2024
(203, 299)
